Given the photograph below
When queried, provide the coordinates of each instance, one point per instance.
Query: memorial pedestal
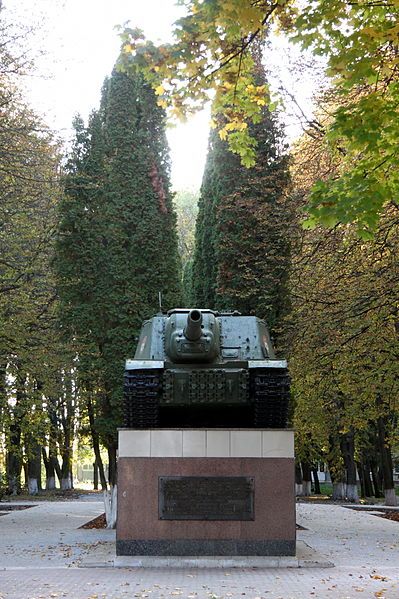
(206, 492)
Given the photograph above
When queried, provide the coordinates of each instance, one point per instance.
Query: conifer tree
(117, 246)
(242, 249)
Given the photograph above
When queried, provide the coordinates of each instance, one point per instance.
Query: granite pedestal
(206, 492)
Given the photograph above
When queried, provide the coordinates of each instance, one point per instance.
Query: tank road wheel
(142, 390)
(270, 393)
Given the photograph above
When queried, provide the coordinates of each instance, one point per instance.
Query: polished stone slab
(140, 489)
(209, 443)
(202, 547)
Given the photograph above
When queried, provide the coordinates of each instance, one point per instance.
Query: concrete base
(305, 557)
(103, 556)
(147, 457)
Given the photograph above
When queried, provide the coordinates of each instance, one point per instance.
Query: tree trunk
(57, 468)
(386, 464)
(376, 481)
(34, 440)
(14, 454)
(112, 464)
(95, 476)
(25, 471)
(4, 409)
(50, 470)
(347, 444)
(361, 470)
(336, 466)
(96, 445)
(368, 487)
(339, 491)
(14, 459)
(50, 482)
(53, 465)
(306, 479)
(352, 493)
(68, 426)
(298, 480)
(110, 502)
(33, 486)
(316, 481)
(34, 467)
(3, 388)
(66, 480)
(391, 497)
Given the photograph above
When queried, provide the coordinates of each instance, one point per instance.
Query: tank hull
(210, 397)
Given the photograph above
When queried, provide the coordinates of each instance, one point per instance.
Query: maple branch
(244, 43)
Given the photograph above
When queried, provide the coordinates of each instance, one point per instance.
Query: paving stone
(40, 550)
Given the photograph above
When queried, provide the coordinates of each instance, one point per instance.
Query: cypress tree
(241, 255)
(117, 245)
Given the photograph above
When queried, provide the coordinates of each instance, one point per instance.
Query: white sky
(80, 47)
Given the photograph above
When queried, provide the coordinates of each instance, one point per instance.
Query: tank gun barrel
(192, 330)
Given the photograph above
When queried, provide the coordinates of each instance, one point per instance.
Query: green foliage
(186, 206)
(211, 57)
(30, 348)
(360, 42)
(344, 325)
(242, 237)
(188, 296)
(117, 245)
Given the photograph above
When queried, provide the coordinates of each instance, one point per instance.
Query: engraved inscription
(206, 498)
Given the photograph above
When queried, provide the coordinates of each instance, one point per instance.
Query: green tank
(201, 368)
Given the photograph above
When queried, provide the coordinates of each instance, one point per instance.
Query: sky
(76, 46)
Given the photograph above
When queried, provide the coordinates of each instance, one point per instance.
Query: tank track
(270, 393)
(142, 389)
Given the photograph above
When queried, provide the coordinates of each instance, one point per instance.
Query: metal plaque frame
(206, 498)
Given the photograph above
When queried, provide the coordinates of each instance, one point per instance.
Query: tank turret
(192, 336)
(192, 330)
(204, 368)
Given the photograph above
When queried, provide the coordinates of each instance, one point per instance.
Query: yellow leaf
(127, 48)
(370, 32)
(159, 90)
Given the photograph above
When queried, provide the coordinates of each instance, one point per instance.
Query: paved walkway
(42, 548)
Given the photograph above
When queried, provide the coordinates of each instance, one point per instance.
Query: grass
(326, 489)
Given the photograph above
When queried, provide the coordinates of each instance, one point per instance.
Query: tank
(200, 368)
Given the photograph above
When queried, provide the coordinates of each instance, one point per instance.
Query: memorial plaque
(206, 498)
